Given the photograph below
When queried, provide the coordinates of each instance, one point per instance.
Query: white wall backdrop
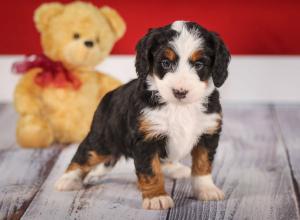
(251, 78)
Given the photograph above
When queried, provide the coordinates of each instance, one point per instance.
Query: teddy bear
(59, 91)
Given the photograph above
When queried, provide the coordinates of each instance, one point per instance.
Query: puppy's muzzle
(180, 93)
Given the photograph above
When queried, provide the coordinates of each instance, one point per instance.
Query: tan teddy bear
(58, 94)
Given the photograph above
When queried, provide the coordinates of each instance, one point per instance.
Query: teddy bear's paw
(205, 189)
(69, 181)
(158, 203)
(33, 132)
(176, 170)
(94, 176)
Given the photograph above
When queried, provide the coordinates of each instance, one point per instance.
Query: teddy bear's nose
(89, 43)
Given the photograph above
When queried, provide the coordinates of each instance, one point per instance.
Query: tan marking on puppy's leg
(73, 166)
(93, 159)
(94, 176)
(74, 174)
(152, 188)
(153, 185)
(200, 162)
(202, 182)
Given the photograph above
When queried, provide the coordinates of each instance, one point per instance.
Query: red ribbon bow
(52, 72)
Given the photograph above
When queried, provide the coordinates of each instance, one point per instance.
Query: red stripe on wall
(254, 27)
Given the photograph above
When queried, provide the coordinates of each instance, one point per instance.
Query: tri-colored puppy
(171, 110)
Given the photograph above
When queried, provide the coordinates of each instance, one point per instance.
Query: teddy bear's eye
(76, 36)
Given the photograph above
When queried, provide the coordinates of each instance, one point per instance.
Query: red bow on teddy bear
(52, 72)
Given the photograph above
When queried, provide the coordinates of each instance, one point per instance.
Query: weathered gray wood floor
(257, 166)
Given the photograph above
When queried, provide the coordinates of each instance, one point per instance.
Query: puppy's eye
(76, 36)
(166, 64)
(198, 65)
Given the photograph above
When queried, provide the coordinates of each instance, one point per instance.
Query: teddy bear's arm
(26, 95)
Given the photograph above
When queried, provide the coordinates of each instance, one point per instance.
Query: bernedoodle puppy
(171, 110)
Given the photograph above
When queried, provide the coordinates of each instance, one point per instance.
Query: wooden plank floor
(257, 166)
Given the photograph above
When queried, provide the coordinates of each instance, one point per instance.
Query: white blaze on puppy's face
(183, 77)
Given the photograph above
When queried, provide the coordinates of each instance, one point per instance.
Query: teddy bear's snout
(89, 43)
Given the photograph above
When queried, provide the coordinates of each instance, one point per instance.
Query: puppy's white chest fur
(183, 125)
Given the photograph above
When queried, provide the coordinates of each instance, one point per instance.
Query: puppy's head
(182, 61)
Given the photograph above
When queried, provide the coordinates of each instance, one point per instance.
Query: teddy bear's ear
(115, 20)
(44, 13)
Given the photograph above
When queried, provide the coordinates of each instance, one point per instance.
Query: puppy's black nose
(180, 93)
(89, 43)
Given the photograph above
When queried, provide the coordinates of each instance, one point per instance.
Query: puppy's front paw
(176, 170)
(205, 189)
(69, 181)
(208, 193)
(159, 202)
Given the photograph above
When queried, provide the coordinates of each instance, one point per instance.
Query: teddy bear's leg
(86, 167)
(175, 170)
(151, 182)
(33, 132)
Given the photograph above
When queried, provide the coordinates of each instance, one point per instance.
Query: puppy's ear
(144, 58)
(221, 60)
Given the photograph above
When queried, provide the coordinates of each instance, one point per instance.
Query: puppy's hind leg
(99, 170)
(84, 160)
(71, 179)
